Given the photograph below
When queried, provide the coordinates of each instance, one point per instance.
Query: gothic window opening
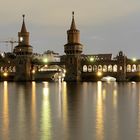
(100, 68)
(110, 68)
(105, 68)
(138, 68)
(134, 68)
(85, 68)
(128, 69)
(89, 68)
(95, 68)
(115, 68)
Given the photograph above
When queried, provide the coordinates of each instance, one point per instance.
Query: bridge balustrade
(133, 68)
(8, 69)
(101, 68)
(110, 68)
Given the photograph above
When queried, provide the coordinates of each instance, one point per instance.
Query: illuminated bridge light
(99, 74)
(45, 60)
(33, 71)
(5, 74)
(91, 59)
(134, 59)
(64, 70)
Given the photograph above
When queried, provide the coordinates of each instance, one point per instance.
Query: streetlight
(45, 60)
(91, 59)
(134, 59)
(99, 74)
(5, 74)
(33, 71)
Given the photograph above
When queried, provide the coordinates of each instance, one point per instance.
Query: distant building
(48, 55)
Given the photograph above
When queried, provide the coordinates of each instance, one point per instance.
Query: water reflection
(59, 100)
(33, 108)
(115, 98)
(99, 113)
(115, 122)
(5, 112)
(138, 127)
(46, 114)
(102, 111)
(64, 109)
(74, 115)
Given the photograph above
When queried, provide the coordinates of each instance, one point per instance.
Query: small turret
(73, 26)
(23, 29)
(23, 35)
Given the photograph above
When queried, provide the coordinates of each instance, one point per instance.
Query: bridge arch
(109, 68)
(14, 69)
(85, 68)
(134, 69)
(104, 68)
(138, 67)
(5, 69)
(115, 68)
(95, 68)
(9, 69)
(89, 68)
(1, 69)
(121, 68)
(100, 68)
(128, 68)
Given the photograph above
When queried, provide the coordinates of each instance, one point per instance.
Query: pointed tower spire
(23, 28)
(73, 34)
(73, 26)
(23, 35)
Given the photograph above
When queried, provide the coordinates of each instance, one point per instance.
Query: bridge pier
(121, 78)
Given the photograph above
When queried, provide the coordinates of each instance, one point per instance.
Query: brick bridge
(95, 67)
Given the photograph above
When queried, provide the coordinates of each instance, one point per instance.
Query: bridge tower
(73, 50)
(121, 60)
(23, 53)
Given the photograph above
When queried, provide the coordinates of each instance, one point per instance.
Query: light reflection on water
(61, 111)
(99, 113)
(5, 112)
(33, 109)
(46, 114)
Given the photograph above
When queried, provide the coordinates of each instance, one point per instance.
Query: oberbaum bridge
(23, 65)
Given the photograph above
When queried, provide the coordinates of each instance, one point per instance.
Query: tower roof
(23, 28)
(73, 26)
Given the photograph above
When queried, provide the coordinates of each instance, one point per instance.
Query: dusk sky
(106, 26)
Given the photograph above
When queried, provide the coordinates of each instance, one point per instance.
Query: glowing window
(128, 69)
(115, 68)
(105, 68)
(99, 68)
(89, 68)
(110, 68)
(134, 68)
(84, 68)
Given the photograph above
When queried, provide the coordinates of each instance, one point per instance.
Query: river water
(69, 111)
